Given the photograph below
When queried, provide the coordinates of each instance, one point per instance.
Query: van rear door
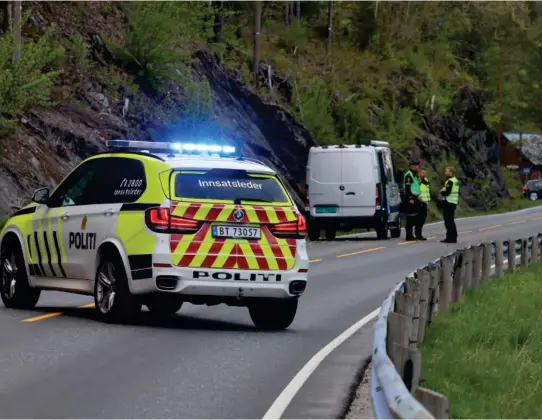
(359, 179)
(324, 181)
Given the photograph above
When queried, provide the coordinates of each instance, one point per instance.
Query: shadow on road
(146, 319)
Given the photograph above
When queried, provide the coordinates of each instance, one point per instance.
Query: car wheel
(273, 314)
(14, 287)
(382, 231)
(395, 232)
(533, 196)
(314, 233)
(330, 234)
(163, 305)
(112, 297)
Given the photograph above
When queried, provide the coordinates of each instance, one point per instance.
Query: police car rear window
(234, 185)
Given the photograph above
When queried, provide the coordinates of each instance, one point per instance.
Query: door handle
(65, 216)
(108, 212)
(350, 193)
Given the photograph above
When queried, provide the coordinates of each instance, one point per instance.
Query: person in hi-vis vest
(450, 192)
(411, 202)
(425, 198)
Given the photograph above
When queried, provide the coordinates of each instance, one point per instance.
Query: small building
(524, 152)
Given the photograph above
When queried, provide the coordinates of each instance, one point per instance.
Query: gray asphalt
(211, 362)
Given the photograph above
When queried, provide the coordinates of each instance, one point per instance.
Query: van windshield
(230, 185)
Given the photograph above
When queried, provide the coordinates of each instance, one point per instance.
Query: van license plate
(326, 209)
(236, 232)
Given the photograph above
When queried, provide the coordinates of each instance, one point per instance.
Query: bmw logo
(238, 215)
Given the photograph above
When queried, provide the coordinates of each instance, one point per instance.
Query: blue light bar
(184, 148)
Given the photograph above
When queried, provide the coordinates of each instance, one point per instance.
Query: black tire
(395, 232)
(382, 231)
(15, 291)
(330, 234)
(273, 314)
(163, 305)
(313, 232)
(125, 306)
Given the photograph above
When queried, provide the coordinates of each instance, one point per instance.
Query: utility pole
(257, 30)
(17, 13)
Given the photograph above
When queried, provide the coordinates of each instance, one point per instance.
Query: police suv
(159, 224)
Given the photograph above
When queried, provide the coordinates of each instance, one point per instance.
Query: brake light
(307, 202)
(525, 188)
(290, 230)
(378, 201)
(159, 219)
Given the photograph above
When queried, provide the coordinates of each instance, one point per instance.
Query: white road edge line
(282, 402)
(287, 395)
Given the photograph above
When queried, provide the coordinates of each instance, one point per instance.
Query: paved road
(58, 361)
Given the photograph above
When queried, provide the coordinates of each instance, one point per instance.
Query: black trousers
(448, 212)
(412, 215)
(420, 220)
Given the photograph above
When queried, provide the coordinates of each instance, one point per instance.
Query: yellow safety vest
(425, 192)
(454, 195)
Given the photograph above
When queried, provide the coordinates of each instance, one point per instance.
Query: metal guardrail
(391, 392)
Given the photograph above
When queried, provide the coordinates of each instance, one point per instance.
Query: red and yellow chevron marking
(203, 251)
(224, 213)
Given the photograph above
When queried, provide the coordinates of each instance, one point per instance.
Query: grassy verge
(485, 355)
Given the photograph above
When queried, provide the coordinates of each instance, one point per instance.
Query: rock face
(51, 141)
(464, 133)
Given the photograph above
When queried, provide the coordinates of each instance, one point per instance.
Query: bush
(154, 37)
(28, 82)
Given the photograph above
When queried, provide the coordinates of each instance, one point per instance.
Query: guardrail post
(437, 404)
(459, 269)
(511, 255)
(413, 287)
(434, 274)
(445, 292)
(535, 250)
(524, 250)
(478, 255)
(486, 261)
(425, 279)
(499, 259)
(467, 278)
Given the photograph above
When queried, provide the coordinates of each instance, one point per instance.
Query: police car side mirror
(41, 195)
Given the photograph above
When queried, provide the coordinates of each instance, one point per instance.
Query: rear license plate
(236, 232)
(326, 209)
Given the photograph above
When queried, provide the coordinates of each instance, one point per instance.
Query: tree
(257, 30)
(6, 8)
(329, 25)
(17, 6)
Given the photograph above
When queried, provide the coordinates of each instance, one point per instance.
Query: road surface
(58, 361)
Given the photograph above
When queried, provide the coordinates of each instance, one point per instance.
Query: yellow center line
(489, 227)
(317, 260)
(363, 251)
(408, 242)
(537, 218)
(431, 237)
(465, 231)
(40, 317)
(517, 222)
(53, 314)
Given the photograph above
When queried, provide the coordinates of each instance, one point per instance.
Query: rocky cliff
(50, 141)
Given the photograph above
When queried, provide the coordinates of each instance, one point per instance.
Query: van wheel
(15, 291)
(382, 231)
(330, 234)
(314, 233)
(273, 314)
(395, 232)
(112, 297)
(163, 305)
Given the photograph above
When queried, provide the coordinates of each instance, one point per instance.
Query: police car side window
(73, 191)
(124, 181)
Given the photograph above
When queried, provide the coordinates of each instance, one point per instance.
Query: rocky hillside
(420, 75)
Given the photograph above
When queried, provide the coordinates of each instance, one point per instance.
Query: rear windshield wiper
(258, 200)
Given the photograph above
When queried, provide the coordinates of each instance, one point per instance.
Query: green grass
(486, 354)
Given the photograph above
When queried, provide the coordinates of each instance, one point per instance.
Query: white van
(350, 187)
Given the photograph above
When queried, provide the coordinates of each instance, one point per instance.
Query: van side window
(388, 167)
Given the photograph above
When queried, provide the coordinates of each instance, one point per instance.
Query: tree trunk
(219, 22)
(257, 29)
(6, 8)
(298, 9)
(286, 13)
(17, 13)
(329, 25)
